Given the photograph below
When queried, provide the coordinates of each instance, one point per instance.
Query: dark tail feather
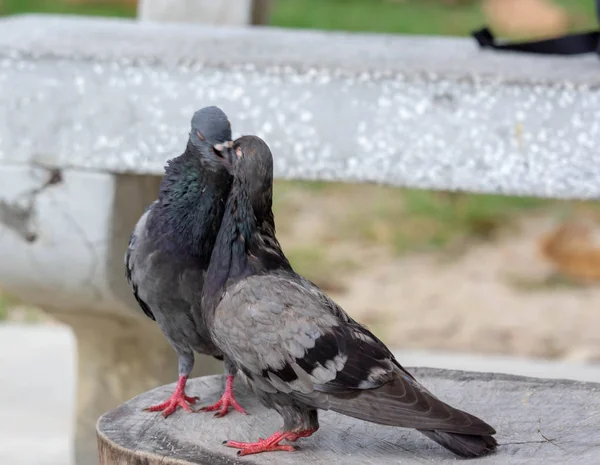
(406, 403)
(464, 445)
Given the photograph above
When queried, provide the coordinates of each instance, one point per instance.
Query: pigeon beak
(224, 149)
(225, 145)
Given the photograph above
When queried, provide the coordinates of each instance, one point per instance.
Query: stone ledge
(433, 113)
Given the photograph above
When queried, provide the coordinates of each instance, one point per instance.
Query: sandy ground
(494, 298)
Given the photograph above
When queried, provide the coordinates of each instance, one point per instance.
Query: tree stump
(538, 421)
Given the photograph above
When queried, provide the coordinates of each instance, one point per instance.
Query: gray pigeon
(170, 247)
(296, 348)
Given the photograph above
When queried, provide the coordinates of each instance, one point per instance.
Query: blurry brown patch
(574, 249)
(526, 18)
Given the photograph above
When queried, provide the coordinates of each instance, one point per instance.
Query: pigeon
(170, 248)
(297, 349)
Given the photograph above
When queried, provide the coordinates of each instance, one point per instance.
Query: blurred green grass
(6, 302)
(3, 309)
(402, 220)
(390, 16)
(108, 8)
(430, 17)
(415, 220)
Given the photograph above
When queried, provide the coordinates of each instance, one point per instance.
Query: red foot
(177, 399)
(271, 444)
(227, 400)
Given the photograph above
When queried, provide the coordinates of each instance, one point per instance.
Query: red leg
(227, 400)
(177, 399)
(271, 444)
(302, 434)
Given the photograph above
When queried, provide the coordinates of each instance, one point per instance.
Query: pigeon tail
(463, 445)
(404, 402)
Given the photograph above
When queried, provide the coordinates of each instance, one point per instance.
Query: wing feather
(287, 337)
(131, 259)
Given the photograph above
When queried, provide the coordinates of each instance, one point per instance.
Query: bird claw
(271, 444)
(178, 399)
(227, 400)
(223, 405)
(248, 448)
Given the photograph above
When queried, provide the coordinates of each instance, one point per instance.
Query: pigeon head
(194, 189)
(211, 130)
(253, 168)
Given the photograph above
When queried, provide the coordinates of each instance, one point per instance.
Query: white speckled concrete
(423, 112)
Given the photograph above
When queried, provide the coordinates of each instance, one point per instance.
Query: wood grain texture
(538, 421)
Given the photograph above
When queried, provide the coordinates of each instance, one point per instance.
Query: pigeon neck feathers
(246, 244)
(185, 220)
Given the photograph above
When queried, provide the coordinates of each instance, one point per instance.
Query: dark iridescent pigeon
(170, 248)
(296, 348)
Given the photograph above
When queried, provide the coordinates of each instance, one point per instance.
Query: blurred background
(456, 273)
(535, 261)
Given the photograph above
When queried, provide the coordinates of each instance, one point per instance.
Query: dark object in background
(571, 44)
(297, 349)
(261, 12)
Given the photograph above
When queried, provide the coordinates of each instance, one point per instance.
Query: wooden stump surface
(537, 420)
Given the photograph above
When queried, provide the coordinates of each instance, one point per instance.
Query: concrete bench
(537, 421)
(90, 110)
